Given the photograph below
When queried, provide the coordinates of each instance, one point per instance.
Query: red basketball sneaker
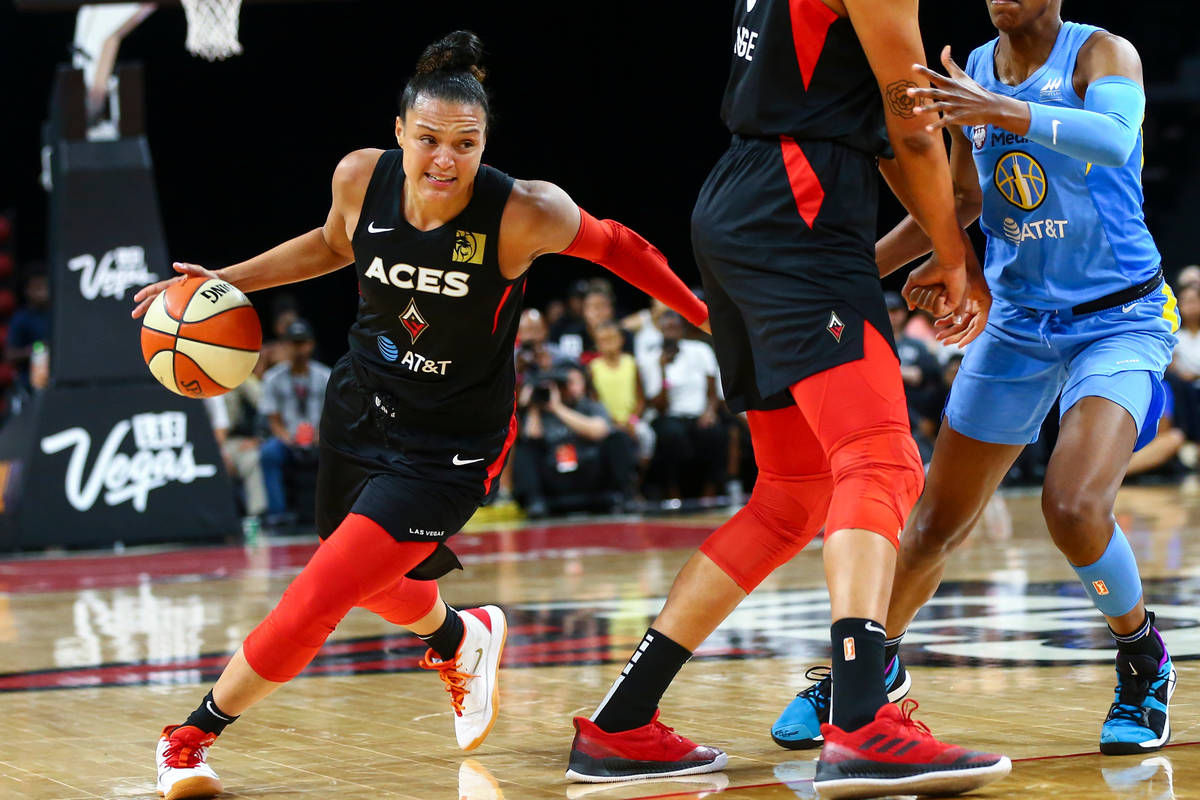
(896, 754)
(651, 751)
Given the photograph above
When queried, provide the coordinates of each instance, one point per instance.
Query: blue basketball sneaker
(1139, 721)
(799, 726)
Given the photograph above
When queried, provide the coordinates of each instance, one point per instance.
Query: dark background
(617, 102)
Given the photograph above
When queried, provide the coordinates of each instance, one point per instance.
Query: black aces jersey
(798, 70)
(436, 318)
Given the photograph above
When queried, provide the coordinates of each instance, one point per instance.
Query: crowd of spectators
(616, 412)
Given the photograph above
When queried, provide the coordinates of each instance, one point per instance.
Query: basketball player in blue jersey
(419, 415)
(1047, 152)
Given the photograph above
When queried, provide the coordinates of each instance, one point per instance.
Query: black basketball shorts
(784, 236)
(418, 485)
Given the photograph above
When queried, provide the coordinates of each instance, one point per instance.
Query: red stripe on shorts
(810, 24)
(806, 187)
(494, 468)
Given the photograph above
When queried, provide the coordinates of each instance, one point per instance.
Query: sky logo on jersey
(413, 322)
(387, 348)
(468, 247)
(1020, 180)
(979, 136)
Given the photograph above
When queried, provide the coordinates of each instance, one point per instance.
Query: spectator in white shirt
(681, 385)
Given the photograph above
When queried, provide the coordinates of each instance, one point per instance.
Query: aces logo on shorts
(835, 326)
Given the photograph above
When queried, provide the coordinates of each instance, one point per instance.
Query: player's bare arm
(543, 219)
(891, 40)
(320, 251)
(907, 242)
(540, 218)
(1103, 55)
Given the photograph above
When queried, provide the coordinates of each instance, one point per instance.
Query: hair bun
(460, 50)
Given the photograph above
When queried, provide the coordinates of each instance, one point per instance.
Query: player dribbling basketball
(419, 415)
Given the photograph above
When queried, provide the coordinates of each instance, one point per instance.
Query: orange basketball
(201, 337)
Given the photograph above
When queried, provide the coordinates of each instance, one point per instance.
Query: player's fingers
(936, 78)
(949, 63)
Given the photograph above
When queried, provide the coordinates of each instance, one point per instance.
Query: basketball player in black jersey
(419, 415)
(784, 233)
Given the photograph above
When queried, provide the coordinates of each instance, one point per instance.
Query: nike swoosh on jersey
(372, 229)
(459, 462)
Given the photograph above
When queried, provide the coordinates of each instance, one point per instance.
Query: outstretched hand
(145, 296)
(959, 98)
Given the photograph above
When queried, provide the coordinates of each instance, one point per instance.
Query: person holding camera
(569, 455)
(681, 384)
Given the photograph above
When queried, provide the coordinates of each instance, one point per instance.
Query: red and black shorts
(784, 236)
(418, 485)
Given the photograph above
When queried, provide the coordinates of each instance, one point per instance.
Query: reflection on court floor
(97, 652)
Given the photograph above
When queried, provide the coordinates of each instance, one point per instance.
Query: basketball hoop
(213, 28)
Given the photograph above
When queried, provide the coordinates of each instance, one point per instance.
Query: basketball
(201, 337)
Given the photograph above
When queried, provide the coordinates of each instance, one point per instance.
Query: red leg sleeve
(788, 505)
(358, 560)
(859, 414)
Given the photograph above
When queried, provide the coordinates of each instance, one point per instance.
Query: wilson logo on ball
(201, 337)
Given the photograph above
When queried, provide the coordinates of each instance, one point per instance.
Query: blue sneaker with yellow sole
(799, 726)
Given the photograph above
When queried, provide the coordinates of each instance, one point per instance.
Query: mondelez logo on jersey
(113, 274)
(163, 454)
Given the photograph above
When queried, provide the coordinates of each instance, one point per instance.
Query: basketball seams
(202, 371)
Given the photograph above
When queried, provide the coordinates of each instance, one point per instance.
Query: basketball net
(213, 28)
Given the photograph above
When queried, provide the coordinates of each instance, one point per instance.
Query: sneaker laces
(456, 682)
(185, 754)
(818, 693)
(907, 707)
(1132, 691)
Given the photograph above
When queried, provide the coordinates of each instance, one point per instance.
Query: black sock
(446, 639)
(208, 718)
(858, 690)
(1142, 642)
(891, 649)
(633, 699)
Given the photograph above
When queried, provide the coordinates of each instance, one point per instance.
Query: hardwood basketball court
(98, 652)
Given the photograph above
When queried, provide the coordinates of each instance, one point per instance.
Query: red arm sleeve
(631, 258)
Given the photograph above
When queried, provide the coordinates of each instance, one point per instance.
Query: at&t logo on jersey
(1020, 180)
(1034, 229)
(468, 247)
(387, 348)
(424, 366)
(449, 283)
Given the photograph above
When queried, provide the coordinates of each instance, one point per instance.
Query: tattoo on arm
(898, 101)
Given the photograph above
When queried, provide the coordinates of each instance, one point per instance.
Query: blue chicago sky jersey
(1060, 231)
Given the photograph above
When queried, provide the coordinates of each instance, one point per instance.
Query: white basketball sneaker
(472, 679)
(182, 769)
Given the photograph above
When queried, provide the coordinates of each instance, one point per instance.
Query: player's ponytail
(449, 69)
